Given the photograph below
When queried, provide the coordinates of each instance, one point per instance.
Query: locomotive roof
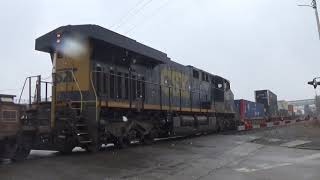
(46, 42)
(213, 75)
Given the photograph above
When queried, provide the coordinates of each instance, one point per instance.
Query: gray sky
(256, 44)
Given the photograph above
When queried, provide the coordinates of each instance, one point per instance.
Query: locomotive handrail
(154, 83)
(95, 94)
(24, 85)
(81, 96)
(169, 87)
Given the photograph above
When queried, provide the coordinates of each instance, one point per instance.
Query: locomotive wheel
(228, 125)
(93, 148)
(9, 149)
(149, 138)
(67, 145)
(122, 142)
(21, 148)
(67, 149)
(218, 128)
(22, 152)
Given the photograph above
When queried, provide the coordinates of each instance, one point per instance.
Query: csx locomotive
(107, 88)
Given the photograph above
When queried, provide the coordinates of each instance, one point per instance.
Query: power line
(144, 20)
(134, 14)
(127, 14)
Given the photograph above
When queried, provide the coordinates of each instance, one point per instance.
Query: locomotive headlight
(74, 46)
(58, 38)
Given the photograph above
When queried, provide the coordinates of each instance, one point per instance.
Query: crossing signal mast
(314, 6)
(315, 83)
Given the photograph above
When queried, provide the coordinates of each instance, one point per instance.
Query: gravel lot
(308, 132)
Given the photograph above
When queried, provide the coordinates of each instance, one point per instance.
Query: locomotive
(108, 88)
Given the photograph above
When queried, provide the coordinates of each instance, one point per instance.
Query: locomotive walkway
(275, 153)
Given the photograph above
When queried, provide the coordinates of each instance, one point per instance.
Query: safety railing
(37, 93)
(197, 98)
(95, 94)
(78, 86)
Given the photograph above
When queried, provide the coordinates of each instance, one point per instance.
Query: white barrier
(256, 126)
(241, 128)
(270, 124)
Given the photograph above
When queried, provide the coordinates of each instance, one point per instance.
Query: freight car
(10, 127)
(249, 110)
(250, 113)
(108, 88)
(283, 110)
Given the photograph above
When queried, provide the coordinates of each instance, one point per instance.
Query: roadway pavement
(276, 153)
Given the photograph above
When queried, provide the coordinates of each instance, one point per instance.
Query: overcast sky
(256, 44)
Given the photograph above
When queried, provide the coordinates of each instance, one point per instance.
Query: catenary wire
(125, 16)
(144, 20)
(133, 15)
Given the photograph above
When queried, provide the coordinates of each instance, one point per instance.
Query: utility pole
(315, 7)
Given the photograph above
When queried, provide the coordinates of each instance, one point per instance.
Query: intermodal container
(269, 100)
(249, 110)
(283, 113)
(290, 108)
(283, 105)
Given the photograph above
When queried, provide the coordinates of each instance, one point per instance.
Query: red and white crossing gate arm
(271, 124)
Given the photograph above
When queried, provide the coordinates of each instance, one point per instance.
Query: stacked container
(283, 109)
(249, 110)
(269, 100)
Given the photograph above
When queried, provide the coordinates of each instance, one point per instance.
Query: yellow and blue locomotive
(107, 88)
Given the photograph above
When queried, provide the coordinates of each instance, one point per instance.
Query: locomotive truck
(108, 88)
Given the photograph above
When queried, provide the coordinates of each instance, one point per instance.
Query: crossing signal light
(314, 83)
